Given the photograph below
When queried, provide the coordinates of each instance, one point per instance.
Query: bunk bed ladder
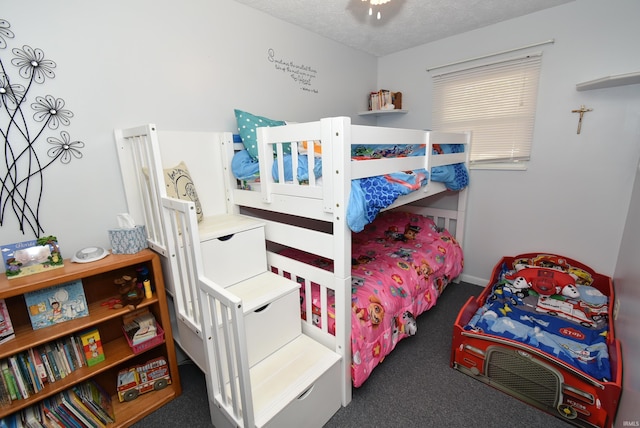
(261, 369)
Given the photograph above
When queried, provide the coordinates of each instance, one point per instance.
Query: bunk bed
(543, 331)
(305, 216)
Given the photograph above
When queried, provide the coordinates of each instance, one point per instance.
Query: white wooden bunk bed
(305, 215)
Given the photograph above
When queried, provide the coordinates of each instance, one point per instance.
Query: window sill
(520, 166)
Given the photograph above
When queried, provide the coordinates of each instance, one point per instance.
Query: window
(497, 102)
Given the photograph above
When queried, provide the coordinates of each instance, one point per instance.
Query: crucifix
(582, 110)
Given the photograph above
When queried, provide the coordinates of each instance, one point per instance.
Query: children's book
(97, 400)
(29, 257)
(92, 346)
(10, 379)
(6, 328)
(56, 304)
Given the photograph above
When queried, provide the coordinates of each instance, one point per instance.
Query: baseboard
(473, 280)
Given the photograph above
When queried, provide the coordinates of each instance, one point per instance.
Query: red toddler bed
(401, 264)
(542, 331)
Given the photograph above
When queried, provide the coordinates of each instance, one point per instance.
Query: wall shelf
(610, 81)
(381, 112)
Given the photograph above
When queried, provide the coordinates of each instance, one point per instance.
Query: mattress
(401, 263)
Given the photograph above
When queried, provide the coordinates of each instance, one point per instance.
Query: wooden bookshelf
(98, 284)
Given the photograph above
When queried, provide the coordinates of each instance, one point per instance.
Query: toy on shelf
(151, 376)
(130, 293)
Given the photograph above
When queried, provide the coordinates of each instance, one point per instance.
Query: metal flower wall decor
(27, 122)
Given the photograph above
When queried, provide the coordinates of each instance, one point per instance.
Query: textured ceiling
(404, 23)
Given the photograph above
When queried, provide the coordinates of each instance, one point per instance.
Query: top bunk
(364, 168)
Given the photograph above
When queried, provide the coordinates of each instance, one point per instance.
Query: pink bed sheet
(401, 264)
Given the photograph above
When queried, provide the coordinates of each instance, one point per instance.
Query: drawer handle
(226, 238)
(306, 393)
(262, 308)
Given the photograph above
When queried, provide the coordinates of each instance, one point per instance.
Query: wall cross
(582, 110)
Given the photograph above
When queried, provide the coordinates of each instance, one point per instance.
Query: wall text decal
(301, 74)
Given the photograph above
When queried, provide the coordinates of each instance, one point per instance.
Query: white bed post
(462, 195)
(227, 149)
(336, 129)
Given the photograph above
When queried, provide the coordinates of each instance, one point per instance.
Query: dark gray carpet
(413, 387)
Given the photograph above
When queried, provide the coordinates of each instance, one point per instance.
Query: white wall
(627, 278)
(573, 198)
(181, 65)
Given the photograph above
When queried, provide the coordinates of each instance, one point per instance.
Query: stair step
(286, 377)
(262, 289)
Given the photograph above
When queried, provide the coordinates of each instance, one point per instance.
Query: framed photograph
(29, 257)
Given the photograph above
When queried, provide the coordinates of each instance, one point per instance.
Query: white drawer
(235, 257)
(272, 326)
(315, 406)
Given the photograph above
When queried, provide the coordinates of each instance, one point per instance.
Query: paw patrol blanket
(550, 306)
(401, 263)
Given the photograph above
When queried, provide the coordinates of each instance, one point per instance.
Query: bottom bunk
(542, 331)
(400, 264)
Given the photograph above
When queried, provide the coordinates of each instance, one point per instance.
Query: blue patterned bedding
(372, 194)
(563, 319)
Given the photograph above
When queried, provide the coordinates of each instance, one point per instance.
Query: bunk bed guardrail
(140, 167)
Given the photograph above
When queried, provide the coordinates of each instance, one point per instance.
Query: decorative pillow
(180, 186)
(247, 127)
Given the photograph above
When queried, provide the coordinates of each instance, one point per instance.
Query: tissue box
(128, 241)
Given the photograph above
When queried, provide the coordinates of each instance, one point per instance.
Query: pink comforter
(401, 263)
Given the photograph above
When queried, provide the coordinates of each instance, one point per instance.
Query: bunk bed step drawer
(299, 385)
(232, 258)
(272, 326)
(315, 406)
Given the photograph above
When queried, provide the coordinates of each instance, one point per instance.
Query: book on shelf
(6, 328)
(71, 401)
(5, 393)
(56, 304)
(97, 400)
(53, 361)
(32, 417)
(51, 376)
(20, 382)
(40, 369)
(29, 372)
(92, 346)
(385, 100)
(76, 345)
(10, 379)
(53, 420)
(69, 419)
(61, 360)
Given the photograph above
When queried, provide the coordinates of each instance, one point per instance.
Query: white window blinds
(497, 102)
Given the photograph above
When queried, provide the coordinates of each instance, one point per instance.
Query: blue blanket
(573, 330)
(368, 195)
